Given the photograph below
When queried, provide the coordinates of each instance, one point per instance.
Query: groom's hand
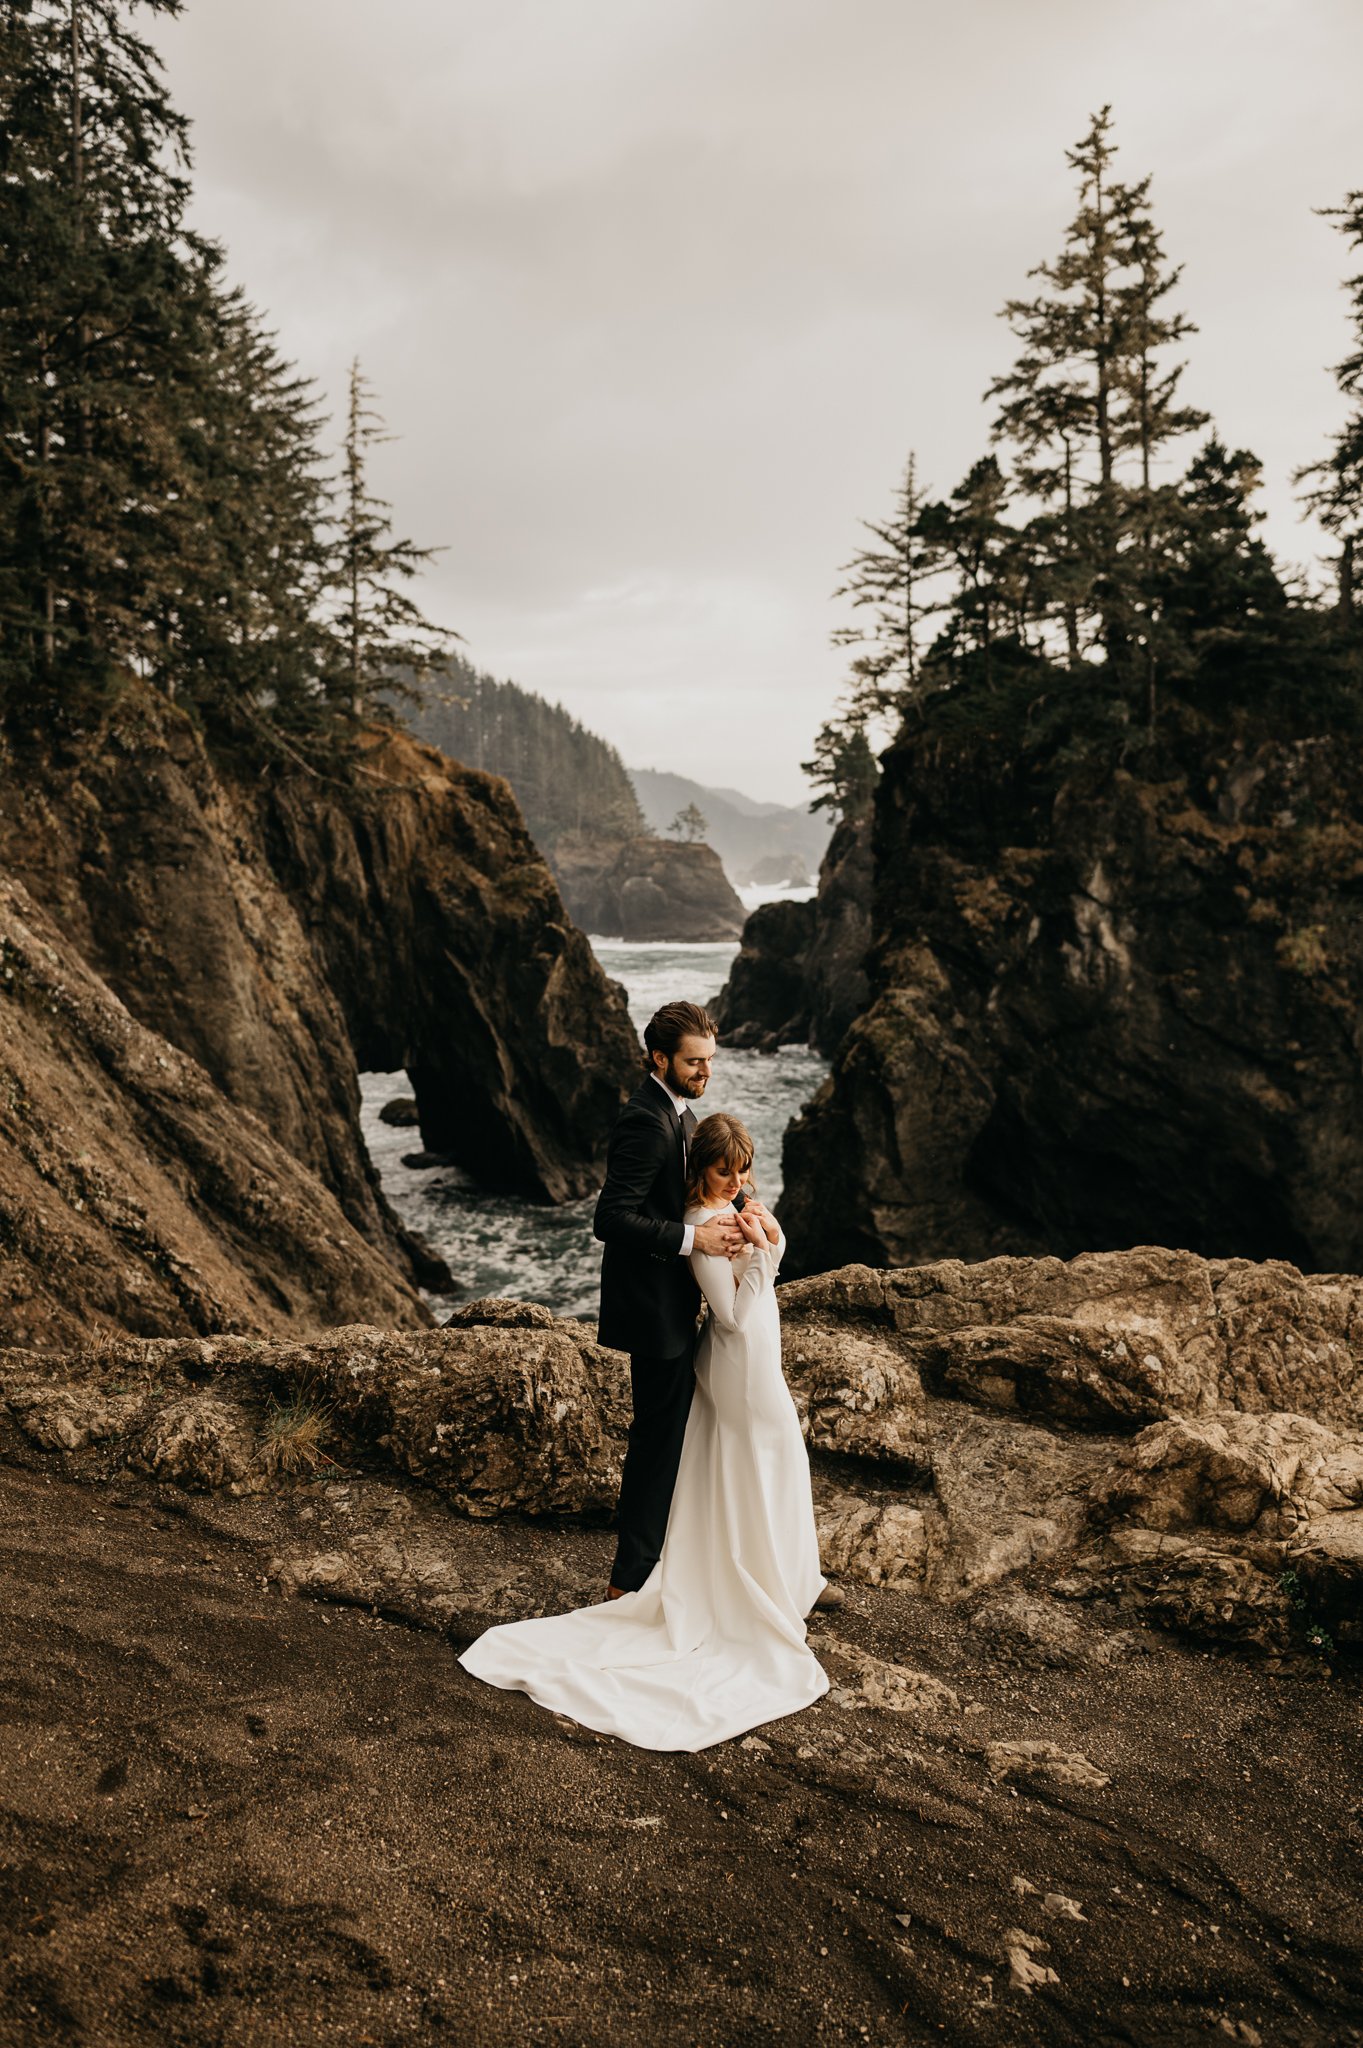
(720, 1240)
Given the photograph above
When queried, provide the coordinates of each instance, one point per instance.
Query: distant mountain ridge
(757, 842)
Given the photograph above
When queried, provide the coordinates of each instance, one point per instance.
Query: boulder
(647, 889)
(883, 1543)
(1047, 1761)
(1100, 1417)
(1029, 1628)
(199, 1442)
(1107, 1338)
(504, 1415)
(863, 1679)
(401, 1112)
(1268, 1475)
(502, 1420)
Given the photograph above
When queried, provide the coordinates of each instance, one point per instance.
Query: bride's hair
(719, 1140)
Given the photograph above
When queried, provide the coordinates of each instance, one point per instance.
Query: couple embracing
(702, 1633)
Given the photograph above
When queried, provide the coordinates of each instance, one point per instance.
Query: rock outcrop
(134, 1196)
(285, 931)
(1158, 1436)
(505, 1412)
(1106, 1011)
(800, 974)
(647, 889)
(446, 942)
(1129, 1438)
(765, 1001)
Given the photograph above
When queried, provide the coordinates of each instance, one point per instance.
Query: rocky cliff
(647, 889)
(285, 932)
(447, 945)
(800, 975)
(134, 1195)
(1109, 1008)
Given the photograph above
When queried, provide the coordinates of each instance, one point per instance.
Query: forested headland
(566, 779)
(1114, 941)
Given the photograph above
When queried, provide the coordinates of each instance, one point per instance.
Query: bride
(713, 1642)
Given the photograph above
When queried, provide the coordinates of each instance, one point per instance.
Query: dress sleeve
(730, 1305)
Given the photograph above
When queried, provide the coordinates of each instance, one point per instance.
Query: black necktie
(688, 1128)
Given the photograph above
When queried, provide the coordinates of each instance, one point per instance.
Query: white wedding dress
(713, 1642)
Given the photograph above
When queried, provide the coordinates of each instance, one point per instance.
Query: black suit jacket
(649, 1298)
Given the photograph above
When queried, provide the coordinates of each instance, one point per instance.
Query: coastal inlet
(501, 1245)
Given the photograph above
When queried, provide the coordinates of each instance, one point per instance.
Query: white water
(497, 1244)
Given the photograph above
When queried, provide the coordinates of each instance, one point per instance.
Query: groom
(649, 1298)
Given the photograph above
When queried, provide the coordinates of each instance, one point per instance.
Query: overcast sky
(657, 294)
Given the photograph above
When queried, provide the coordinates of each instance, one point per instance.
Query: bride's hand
(770, 1227)
(751, 1227)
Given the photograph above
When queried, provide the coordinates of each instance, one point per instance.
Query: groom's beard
(691, 1086)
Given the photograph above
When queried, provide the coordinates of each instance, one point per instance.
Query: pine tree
(689, 824)
(1046, 419)
(1091, 406)
(1153, 416)
(383, 630)
(843, 768)
(893, 581)
(1217, 598)
(1336, 494)
(251, 639)
(970, 531)
(101, 307)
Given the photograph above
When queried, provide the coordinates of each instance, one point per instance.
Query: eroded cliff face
(134, 1195)
(286, 933)
(1106, 1011)
(445, 941)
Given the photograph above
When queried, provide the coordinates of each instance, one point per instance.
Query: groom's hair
(667, 1027)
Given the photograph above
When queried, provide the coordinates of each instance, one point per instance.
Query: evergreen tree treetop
(1336, 493)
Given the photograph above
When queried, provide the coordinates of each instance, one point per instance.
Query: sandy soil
(234, 1816)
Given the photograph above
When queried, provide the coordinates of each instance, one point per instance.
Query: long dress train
(713, 1643)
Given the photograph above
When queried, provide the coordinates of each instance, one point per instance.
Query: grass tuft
(296, 1432)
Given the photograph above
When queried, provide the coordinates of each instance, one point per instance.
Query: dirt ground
(232, 1815)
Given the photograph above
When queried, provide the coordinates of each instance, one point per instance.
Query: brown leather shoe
(829, 1601)
(615, 1592)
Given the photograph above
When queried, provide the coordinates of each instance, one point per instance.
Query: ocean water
(496, 1244)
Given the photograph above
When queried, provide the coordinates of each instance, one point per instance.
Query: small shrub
(295, 1433)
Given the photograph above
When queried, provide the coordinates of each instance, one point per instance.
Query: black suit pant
(662, 1390)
